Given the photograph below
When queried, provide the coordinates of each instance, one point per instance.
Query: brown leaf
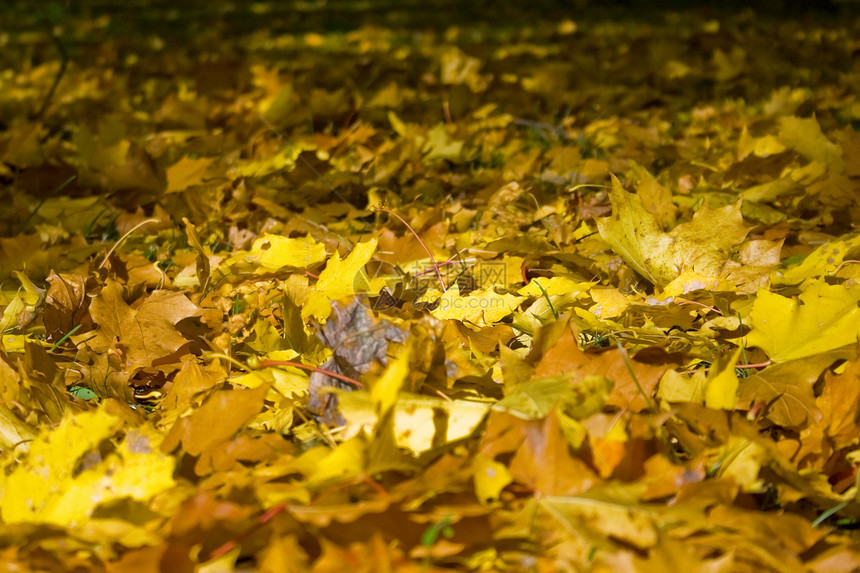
(66, 305)
(838, 403)
(777, 539)
(358, 341)
(786, 390)
(144, 333)
(191, 381)
(143, 560)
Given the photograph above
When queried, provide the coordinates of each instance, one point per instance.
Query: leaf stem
(229, 359)
(268, 363)
(759, 365)
(124, 237)
(842, 264)
(711, 308)
(420, 241)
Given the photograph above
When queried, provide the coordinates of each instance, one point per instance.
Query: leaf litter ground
(282, 292)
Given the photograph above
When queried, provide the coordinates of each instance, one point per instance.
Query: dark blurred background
(243, 16)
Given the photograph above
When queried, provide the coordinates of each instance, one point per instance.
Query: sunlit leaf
(276, 252)
(825, 317)
(490, 478)
(338, 279)
(721, 385)
(413, 291)
(690, 257)
(481, 308)
(185, 173)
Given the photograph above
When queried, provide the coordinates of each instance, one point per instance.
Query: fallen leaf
(142, 334)
(805, 136)
(186, 172)
(822, 262)
(339, 279)
(721, 385)
(66, 305)
(825, 317)
(838, 405)
(276, 252)
(565, 357)
(692, 256)
(216, 421)
(479, 308)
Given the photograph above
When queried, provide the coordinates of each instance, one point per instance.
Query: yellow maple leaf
(25, 300)
(343, 463)
(757, 258)
(276, 252)
(744, 460)
(608, 302)
(285, 159)
(696, 252)
(804, 135)
(677, 387)
(622, 520)
(416, 416)
(657, 198)
(481, 307)
(385, 390)
(186, 172)
(459, 68)
(825, 318)
(554, 286)
(147, 331)
(440, 145)
(690, 280)
(823, 260)
(339, 279)
(50, 486)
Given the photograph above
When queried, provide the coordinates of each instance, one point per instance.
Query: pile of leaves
(576, 294)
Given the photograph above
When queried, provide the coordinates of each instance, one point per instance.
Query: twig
(759, 365)
(541, 125)
(446, 109)
(268, 363)
(261, 521)
(711, 308)
(124, 237)
(230, 359)
(420, 241)
(842, 264)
